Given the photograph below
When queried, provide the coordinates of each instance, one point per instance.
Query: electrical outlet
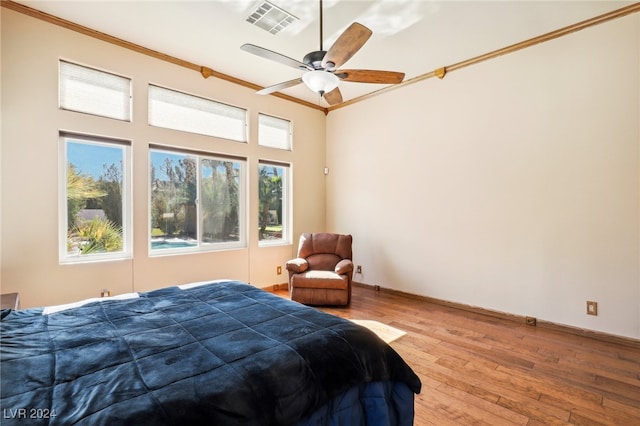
(359, 269)
(530, 320)
(279, 270)
(592, 308)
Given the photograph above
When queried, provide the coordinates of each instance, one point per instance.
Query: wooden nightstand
(10, 301)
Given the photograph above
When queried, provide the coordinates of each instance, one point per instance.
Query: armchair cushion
(323, 261)
(340, 245)
(320, 279)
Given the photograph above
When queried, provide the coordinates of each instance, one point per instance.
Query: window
(274, 132)
(179, 111)
(95, 92)
(95, 205)
(196, 202)
(273, 220)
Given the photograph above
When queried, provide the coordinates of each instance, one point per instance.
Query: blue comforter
(221, 354)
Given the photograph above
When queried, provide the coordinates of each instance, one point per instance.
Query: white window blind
(91, 91)
(274, 132)
(180, 111)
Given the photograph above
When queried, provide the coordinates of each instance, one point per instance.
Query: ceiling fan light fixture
(320, 81)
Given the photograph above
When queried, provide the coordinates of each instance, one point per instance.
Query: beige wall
(31, 122)
(512, 185)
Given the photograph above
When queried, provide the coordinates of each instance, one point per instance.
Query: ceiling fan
(322, 74)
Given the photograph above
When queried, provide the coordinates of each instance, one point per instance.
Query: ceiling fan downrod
(314, 59)
(321, 49)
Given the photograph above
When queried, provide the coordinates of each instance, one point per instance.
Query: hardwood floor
(480, 370)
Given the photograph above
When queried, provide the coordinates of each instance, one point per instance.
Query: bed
(219, 353)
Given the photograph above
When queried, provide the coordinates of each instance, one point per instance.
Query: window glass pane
(272, 187)
(274, 132)
(180, 111)
(196, 202)
(220, 189)
(173, 200)
(96, 92)
(95, 195)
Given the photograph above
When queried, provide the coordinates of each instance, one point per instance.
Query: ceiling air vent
(270, 17)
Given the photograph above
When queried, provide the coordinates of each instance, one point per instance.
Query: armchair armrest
(345, 266)
(297, 265)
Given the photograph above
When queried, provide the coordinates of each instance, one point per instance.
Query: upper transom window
(180, 111)
(96, 92)
(274, 132)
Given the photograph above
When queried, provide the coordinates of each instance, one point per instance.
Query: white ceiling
(412, 36)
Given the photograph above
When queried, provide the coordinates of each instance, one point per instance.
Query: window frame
(127, 199)
(287, 205)
(201, 246)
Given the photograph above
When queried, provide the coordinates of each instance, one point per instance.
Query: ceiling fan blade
(349, 42)
(279, 86)
(274, 56)
(370, 76)
(333, 97)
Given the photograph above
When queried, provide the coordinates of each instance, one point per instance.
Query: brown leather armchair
(321, 273)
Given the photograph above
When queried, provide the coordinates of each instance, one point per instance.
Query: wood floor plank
(583, 413)
(482, 370)
(485, 410)
(535, 410)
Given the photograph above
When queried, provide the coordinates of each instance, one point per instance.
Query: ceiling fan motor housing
(314, 59)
